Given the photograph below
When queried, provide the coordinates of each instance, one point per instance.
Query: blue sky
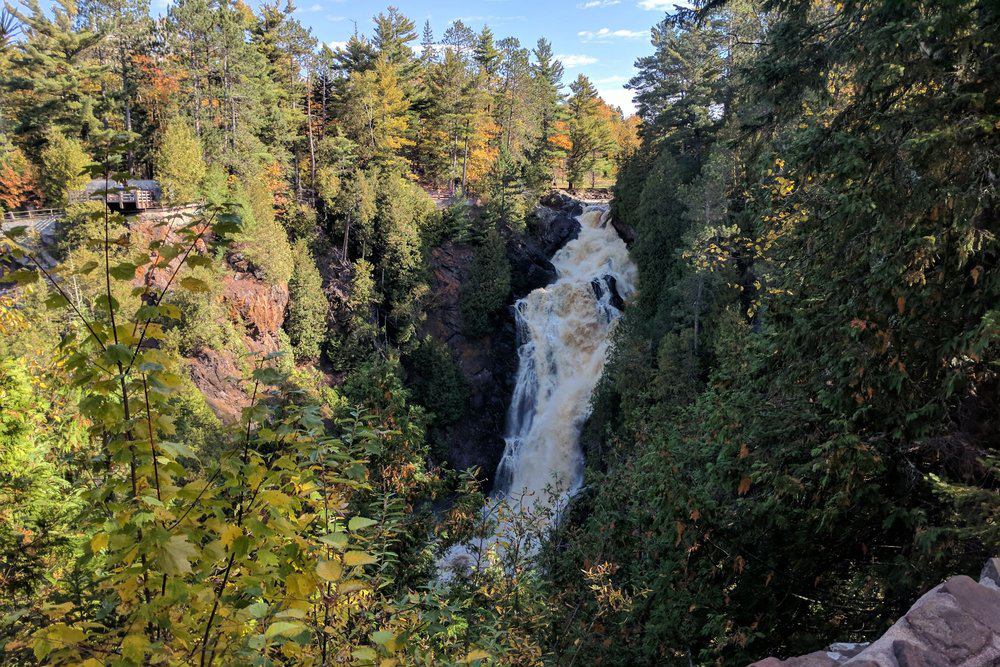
(600, 38)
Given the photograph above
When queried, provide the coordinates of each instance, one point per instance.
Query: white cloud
(606, 35)
(664, 5)
(570, 61)
(618, 97)
(598, 3)
(617, 78)
(336, 46)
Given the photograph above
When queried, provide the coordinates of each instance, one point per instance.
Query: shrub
(436, 381)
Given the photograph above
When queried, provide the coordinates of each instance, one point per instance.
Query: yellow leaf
(98, 542)
(134, 647)
(328, 570)
(351, 586)
(352, 558)
(229, 533)
(477, 654)
(276, 498)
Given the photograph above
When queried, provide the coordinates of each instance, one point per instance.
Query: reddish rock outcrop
(956, 624)
(256, 307)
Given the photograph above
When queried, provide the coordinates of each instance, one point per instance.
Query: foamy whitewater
(563, 337)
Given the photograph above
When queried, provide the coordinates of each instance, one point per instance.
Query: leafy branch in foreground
(195, 563)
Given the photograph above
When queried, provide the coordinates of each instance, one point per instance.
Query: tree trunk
(312, 142)
(465, 158)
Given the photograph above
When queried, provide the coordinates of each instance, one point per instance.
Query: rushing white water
(563, 337)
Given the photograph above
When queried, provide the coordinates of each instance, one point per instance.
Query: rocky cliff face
(255, 306)
(956, 624)
(489, 364)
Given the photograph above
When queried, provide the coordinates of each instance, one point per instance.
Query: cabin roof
(136, 183)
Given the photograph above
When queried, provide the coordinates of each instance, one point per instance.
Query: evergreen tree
(127, 31)
(307, 305)
(427, 51)
(589, 132)
(51, 80)
(505, 203)
(375, 113)
(547, 73)
(486, 288)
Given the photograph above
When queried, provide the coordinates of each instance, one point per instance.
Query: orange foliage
(161, 84)
(18, 184)
(276, 185)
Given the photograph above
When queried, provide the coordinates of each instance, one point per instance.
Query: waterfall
(563, 337)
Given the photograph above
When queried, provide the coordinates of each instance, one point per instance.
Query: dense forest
(228, 424)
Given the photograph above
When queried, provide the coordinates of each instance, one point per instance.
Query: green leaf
(269, 376)
(382, 636)
(118, 354)
(199, 260)
(175, 555)
(56, 301)
(88, 268)
(192, 284)
(147, 312)
(258, 609)
(336, 540)
(360, 523)
(364, 653)
(21, 277)
(134, 647)
(124, 271)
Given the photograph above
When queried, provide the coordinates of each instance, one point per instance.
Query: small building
(136, 195)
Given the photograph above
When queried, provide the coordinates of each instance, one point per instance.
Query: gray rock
(990, 576)
(956, 624)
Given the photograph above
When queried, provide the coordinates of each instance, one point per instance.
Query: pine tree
(681, 87)
(427, 51)
(127, 31)
(589, 132)
(487, 287)
(451, 92)
(375, 112)
(505, 203)
(547, 73)
(307, 305)
(51, 80)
